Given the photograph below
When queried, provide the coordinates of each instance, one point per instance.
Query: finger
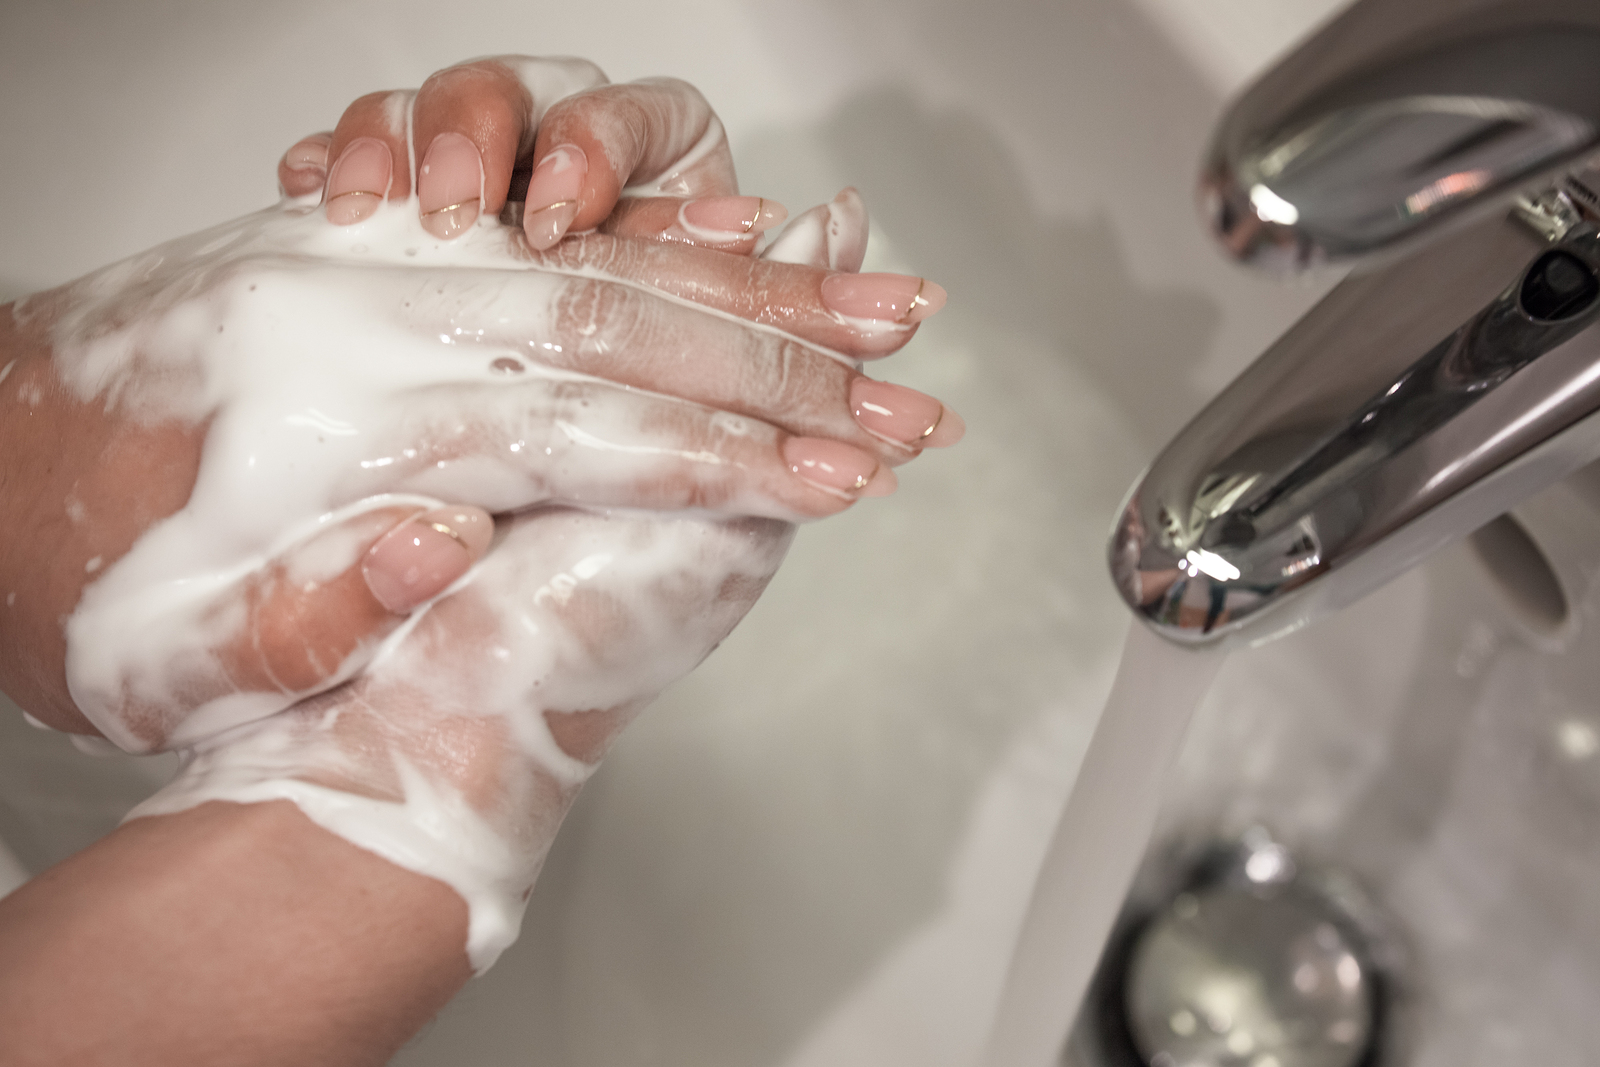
(303, 170)
(656, 138)
(831, 236)
(371, 159)
(306, 619)
(636, 338)
(860, 316)
(311, 609)
(598, 612)
(863, 317)
(764, 376)
(724, 223)
(599, 445)
(473, 122)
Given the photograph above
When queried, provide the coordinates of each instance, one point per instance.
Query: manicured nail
(359, 182)
(725, 219)
(894, 412)
(421, 557)
(898, 298)
(883, 483)
(553, 195)
(307, 155)
(830, 465)
(450, 186)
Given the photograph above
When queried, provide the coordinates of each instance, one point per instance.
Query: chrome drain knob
(1249, 972)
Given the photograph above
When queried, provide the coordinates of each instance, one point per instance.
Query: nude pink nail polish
(554, 193)
(450, 185)
(884, 483)
(831, 466)
(359, 181)
(725, 219)
(308, 156)
(894, 412)
(422, 556)
(898, 298)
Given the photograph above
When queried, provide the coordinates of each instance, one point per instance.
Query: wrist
(477, 814)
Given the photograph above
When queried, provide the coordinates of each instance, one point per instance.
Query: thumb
(424, 555)
(155, 674)
(305, 624)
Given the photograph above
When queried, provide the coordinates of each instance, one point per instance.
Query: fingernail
(949, 429)
(894, 412)
(724, 219)
(546, 227)
(898, 298)
(450, 185)
(553, 194)
(883, 483)
(307, 155)
(421, 557)
(359, 181)
(830, 465)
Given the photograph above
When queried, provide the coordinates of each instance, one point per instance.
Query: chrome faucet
(1443, 147)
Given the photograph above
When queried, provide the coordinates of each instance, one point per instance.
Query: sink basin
(816, 849)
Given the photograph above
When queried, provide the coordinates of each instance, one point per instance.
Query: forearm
(224, 935)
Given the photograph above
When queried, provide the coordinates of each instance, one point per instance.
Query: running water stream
(1097, 845)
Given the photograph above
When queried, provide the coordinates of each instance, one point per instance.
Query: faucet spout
(1455, 376)
(1412, 405)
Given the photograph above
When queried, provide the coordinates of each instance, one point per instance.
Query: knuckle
(480, 91)
(601, 320)
(676, 87)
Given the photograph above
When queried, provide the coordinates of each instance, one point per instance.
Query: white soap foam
(829, 235)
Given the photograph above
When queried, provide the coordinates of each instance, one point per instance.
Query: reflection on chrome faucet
(1420, 399)
(1359, 143)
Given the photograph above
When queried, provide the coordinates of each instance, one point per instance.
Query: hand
(295, 636)
(115, 369)
(481, 724)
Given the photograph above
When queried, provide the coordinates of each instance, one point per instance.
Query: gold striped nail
(449, 207)
(916, 302)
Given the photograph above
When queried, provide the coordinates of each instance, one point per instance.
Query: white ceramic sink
(815, 850)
